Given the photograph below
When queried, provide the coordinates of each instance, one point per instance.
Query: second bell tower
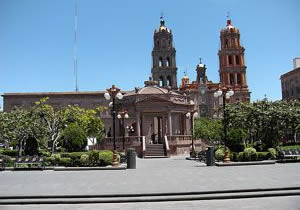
(164, 68)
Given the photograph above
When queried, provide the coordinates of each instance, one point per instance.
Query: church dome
(229, 28)
(200, 65)
(162, 27)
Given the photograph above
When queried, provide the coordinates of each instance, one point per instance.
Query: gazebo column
(138, 126)
(170, 123)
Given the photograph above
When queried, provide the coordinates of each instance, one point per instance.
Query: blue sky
(115, 40)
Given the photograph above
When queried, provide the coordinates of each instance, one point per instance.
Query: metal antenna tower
(75, 46)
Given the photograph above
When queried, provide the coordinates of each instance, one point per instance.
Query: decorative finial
(228, 19)
(200, 60)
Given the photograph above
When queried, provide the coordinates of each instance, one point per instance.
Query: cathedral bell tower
(232, 67)
(164, 68)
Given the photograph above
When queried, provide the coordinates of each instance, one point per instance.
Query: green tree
(87, 119)
(210, 129)
(52, 121)
(266, 122)
(74, 138)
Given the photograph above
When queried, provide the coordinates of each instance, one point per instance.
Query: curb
(268, 162)
(121, 167)
(150, 197)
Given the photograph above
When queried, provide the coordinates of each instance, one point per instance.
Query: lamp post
(123, 115)
(114, 93)
(226, 93)
(191, 116)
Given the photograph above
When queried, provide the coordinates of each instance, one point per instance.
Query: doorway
(157, 133)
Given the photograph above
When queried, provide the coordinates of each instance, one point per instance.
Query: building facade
(158, 111)
(290, 82)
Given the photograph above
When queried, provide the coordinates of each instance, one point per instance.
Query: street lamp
(226, 93)
(191, 116)
(123, 115)
(113, 93)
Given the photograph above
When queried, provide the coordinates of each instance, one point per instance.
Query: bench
(289, 153)
(30, 162)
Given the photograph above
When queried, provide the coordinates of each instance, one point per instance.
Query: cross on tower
(200, 60)
(162, 15)
(228, 15)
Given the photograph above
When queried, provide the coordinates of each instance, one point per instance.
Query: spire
(162, 21)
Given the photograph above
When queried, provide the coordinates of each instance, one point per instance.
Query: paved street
(152, 175)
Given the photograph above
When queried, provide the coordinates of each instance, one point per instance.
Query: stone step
(155, 150)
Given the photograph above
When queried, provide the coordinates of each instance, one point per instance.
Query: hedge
(76, 159)
(8, 152)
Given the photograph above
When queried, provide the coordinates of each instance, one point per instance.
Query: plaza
(154, 177)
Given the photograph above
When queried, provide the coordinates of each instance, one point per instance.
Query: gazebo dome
(152, 90)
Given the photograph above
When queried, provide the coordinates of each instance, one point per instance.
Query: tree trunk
(20, 147)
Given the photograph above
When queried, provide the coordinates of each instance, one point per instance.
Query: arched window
(160, 62)
(231, 79)
(157, 44)
(226, 43)
(169, 81)
(237, 60)
(239, 80)
(161, 81)
(168, 62)
(230, 60)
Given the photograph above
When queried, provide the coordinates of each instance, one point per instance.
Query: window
(230, 60)
(231, 79)
(160, 62)
(161, 81)
(168, 61)
(226, 43)
(169, 81)
(237, 60)
(157, 44)
(239, 79)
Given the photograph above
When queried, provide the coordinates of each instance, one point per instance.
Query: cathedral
(157, 114)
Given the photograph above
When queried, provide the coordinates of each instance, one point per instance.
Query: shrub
(105, 157)
(54, 159)
(219, 154)
(236, 139)
(94, 158)
(234, 156)
(64, 161)
(273, 153)
(250, 154)
(84, 160)
(8, 152)
(241, 156)
(263, 155)
(74, 138)
(44, 153)
(7, 159)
